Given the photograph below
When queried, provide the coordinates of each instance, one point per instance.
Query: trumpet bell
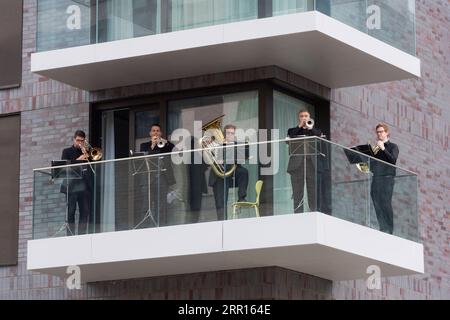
(310, 124)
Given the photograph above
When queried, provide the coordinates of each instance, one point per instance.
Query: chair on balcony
(255, 205)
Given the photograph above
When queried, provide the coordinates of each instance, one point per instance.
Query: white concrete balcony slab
(310, 44)
(312, 243)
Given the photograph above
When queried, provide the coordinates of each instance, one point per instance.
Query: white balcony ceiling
(312, 243)
(310, 44)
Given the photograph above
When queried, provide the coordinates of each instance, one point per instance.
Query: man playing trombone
(79, 189)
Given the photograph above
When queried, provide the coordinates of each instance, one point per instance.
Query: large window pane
(187, 14)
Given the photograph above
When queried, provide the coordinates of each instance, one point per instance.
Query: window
(9, 189)
(10, 43)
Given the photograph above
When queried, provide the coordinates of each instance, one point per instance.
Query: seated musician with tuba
(79, 185)
(239, 177)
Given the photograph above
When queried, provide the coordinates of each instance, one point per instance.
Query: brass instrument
(91, 153)
(211, 140)
(161, 143)
(310, 124)
(364, 166)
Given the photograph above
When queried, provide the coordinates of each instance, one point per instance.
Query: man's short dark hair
(155, 125)
(79, 133)
(304, 110)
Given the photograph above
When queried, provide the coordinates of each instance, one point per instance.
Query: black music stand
(238, 155)
(148, 165)
(303, 146)
(67, 174)
(356, 158)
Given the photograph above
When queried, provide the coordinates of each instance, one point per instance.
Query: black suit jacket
(166, 161)
(390, 155)
(296, 162)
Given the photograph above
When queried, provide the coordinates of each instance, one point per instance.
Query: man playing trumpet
(302, 168)
(162, 170)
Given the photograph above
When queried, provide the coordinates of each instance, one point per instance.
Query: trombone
(91, 153)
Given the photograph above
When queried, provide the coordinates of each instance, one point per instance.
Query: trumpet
(309, 124)
(91, 153)
(161, 143)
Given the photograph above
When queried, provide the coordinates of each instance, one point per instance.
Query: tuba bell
(213, 139)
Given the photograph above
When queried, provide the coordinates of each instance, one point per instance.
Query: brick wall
(418, 112)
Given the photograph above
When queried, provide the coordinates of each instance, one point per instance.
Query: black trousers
(298, 186)
(83, 200)
(381, 193)
(222, 186)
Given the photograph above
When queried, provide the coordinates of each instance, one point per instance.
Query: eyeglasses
(382, 131)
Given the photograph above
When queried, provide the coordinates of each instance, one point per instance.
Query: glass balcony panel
(159, 190)
(71, 23)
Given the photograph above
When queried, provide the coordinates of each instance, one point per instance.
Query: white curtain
(187, 14)
(285, 116)
(281, 7)
(120, 19)
(107, 194)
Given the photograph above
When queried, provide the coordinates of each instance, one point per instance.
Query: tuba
(213, 139)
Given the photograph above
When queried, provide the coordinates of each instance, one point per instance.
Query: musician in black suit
(78, 188)
(239, 178)
(299, 164)
(383, 179)
(162, 176)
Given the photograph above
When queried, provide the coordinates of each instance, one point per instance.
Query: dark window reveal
(10, 43)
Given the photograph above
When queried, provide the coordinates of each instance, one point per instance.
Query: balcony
(103, 44)
(333, 232)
